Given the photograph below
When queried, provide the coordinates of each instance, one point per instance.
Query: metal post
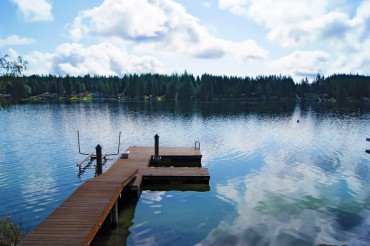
(197, 145)
(114, 215)
(156, 146)
(99, 160)
(78, 139)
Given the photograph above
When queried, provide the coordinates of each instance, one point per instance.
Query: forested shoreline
(185, 86)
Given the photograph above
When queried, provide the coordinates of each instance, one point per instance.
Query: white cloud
(295, 23)
(354, 61)
(159, 25)
(126, 19)
(291, 24)
(101, 59)
(12, 54)
(339, 28)
(15, 40)
(362, 20)
(39, 63)
(303, 63)
(238, 7)
(35, 10)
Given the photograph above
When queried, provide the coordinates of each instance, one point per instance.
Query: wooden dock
(78, 219)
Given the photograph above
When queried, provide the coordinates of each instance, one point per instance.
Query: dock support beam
(156, 146)
(99, 160)
(114, 215)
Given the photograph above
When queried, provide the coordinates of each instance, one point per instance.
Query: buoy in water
(297, 121)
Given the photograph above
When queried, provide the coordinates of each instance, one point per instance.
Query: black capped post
(156, 146)
(99, 160)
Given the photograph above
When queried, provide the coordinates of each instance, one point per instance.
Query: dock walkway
(78, 219)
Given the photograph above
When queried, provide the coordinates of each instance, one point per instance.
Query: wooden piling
(156, 146)
(114, 215)
(99, 160)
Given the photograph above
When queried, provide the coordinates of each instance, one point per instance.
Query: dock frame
(78, 219)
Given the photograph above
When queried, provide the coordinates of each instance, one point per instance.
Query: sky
(222, 37)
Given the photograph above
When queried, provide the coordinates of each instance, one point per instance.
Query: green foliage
(187, 87)
(339, 86)
(10, 233)
(11, 69)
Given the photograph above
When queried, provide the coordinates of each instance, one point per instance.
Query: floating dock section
(78, 219)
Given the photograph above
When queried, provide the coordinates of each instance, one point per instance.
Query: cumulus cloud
(101, 59)
(35, 10)
(12, 54)
(15, 40)
(354, 61)
(136, 20)
(340, 28)
(238, 7)
(39, 63)
(290, 23)
(362, 20)
(159, 25)
(303, 63)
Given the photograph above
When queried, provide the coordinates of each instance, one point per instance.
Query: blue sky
(231, 37)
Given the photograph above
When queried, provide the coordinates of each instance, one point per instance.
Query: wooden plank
(77, 220)
(178, 171)
(137, 183)
(163, 151)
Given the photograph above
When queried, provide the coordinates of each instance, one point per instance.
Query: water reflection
(281, 174)
(306, 192)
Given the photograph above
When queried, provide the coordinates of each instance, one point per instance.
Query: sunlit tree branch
(9, 70)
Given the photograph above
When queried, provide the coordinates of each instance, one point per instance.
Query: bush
(10, 232)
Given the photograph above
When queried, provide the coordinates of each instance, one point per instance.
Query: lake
(281, 174)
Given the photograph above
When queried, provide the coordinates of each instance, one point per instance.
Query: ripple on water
(314, 168)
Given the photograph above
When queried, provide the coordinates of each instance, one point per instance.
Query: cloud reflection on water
(273, 180)
(307, 190)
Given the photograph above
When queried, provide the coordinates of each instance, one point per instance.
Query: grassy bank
(10, 232)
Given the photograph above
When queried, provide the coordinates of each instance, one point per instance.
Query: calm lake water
(274, 180)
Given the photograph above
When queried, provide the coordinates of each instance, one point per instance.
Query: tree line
(188, 87)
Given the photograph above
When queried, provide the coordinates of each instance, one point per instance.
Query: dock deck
(78, 219)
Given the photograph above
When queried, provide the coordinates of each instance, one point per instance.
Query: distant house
(49, 95)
